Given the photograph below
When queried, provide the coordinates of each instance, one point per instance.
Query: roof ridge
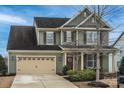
(53, 17)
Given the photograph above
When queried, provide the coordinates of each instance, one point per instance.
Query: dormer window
(49, 38)
(85, 14)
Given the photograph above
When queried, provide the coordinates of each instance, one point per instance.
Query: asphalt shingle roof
(24, 38)
(47, 22)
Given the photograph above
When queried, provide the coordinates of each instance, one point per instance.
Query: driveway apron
(41, 81)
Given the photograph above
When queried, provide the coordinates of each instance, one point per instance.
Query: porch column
(113, 62)
(65, 59)
(82, 60)
(61, 37)
(76, 37)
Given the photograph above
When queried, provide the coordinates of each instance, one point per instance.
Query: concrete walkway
(41, 81)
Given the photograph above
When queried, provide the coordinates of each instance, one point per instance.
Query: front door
(70, 62)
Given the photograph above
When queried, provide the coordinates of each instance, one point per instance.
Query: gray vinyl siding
(105, 63)
(73, 36)
(12, 63)
(41, 38)
(81, 37)
(59, 63)
(57, 38)
(89, 23)
(77, 20)
(104, 38)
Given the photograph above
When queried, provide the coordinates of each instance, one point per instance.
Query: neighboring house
(119, 44)
(51, 43)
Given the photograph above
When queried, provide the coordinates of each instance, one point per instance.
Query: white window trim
(50, 43)
(93, 38)
(93, 60)
(68, 37)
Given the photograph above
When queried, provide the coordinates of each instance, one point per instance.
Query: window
(68, 36)
(49, 38)
(29, 58)
(33, 58)
(24, 58)
(85, 14)
(38, 58)
(90, 60)
(91, 37)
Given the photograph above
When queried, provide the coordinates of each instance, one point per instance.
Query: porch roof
(88, 48)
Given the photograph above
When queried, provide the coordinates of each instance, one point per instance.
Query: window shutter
(72, 36)
(44, 38)
(85, 37)
(65, 36)
(54, 38)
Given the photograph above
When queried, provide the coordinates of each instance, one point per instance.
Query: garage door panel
(36, 66)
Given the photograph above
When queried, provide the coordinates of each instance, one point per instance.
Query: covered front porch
(82, 58)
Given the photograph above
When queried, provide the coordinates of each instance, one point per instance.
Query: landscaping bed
(6, 81)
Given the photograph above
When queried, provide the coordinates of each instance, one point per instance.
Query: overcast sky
(23, 15)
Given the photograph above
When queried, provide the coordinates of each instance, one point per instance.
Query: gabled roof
(24, 38)
(81, 22)
(75, 16)
(118, 38)
(47, 22)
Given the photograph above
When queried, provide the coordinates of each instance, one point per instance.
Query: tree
(101, 12)
(121, 68)
(3, 67)
(104, 12)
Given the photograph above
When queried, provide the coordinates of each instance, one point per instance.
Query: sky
(24, 14)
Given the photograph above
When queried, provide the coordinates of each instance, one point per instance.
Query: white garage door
(36, 65)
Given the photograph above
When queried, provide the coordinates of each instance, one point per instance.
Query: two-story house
(52, 43)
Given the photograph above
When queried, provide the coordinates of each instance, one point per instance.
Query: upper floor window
(91, 37)
(68, 36)
(49, 38)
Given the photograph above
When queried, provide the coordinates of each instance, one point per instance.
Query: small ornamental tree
(121, 68)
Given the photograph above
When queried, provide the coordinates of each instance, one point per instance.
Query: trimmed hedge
(82, 75)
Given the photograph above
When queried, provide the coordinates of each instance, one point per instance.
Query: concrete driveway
(41, 81)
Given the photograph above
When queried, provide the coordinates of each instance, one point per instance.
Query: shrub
(87, 74)
(71, 72)
(75, 77)
(65, 69)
